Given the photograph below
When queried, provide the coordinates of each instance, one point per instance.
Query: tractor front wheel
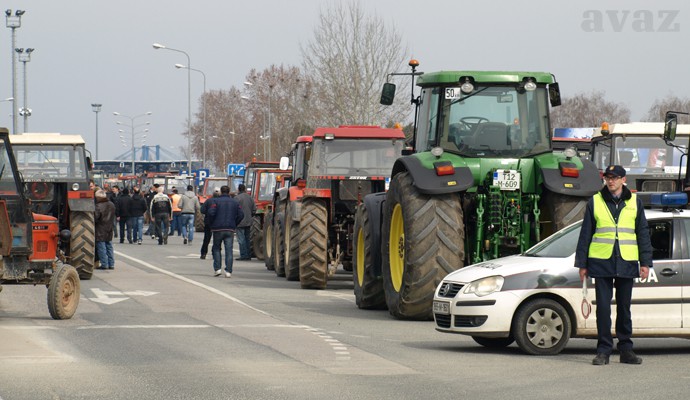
(279, 245)
(423, 239)
(63, 292)
(268, 242)
(368, 286)
(256, 235)
(291, 245)
(313, 250)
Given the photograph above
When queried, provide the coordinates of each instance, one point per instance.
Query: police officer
(614, 248)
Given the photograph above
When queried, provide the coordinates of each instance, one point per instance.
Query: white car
(536, 298)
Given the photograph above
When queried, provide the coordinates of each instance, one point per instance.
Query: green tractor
(482, 182)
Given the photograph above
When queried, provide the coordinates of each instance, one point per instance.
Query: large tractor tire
(63, 292)
(368, 286)
(256, 235)
(83, 243)
(199, 222)
(313, 247)
(268, 242)
(562, 210)
(291, 240)
(422, 241)
(279, 245)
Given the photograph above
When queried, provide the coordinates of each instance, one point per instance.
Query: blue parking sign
(236, 169)
(201, 175)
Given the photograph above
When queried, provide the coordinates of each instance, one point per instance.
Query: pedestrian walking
(122, 209)
(207, 223)
(244, 227)
(225, 213)
(114, 197)
(153, 190)
(614, 248)
(103, 218)
(175, 224)
(189, 207)
(161, 212)
(136, 215)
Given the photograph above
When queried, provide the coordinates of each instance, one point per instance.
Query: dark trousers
(125, 230)
(244, 240)
(604, 291)
(207, 238)
(162, 226)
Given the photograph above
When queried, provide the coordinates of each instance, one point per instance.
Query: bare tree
(588, 110)
(349, 59)
(657, 112)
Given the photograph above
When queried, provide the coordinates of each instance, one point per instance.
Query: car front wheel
(541, 327)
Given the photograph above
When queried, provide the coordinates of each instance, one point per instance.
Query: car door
(657, 300)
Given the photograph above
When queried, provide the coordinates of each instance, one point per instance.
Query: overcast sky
(101, 52)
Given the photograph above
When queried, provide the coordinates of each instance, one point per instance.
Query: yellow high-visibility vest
(607, 231)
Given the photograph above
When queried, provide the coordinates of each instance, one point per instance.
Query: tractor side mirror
(284, 163)
(670, 126)
(554, 94)
(388, 94)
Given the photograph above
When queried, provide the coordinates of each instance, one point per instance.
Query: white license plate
(441, 307)
(507, 179)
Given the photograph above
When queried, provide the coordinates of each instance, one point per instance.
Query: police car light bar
(678, 199)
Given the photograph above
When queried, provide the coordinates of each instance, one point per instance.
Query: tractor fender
(86, 205)
(587, 184)
(427, 182)
(281, 194)
(294, 213)
(374, 205)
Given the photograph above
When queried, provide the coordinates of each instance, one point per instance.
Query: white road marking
(103, 296)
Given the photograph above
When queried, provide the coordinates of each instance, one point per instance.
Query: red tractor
(264, 185)
(336, 170)
(30, 242)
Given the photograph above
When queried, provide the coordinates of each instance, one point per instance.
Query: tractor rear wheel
(291, 245)
(268, 242)
(367, 286)
(256, 235)
(63, 292)
(423, 239)
(83, 243)
(279, 245)
(199, 222)
(562, 210)
(313, 247)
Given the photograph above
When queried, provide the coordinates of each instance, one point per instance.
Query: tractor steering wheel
(472, 122)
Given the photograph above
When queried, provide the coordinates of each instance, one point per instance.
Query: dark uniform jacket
(615, 266)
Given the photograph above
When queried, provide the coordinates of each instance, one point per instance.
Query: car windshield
(50, 162)
(561, 244)
(354, 157)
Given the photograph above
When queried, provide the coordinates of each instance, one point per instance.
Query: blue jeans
(187, 222)
(136, 224)
(106, 254)
(243, 240)
(224, 237)
(175, 224)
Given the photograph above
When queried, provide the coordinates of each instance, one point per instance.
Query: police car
(536, 299)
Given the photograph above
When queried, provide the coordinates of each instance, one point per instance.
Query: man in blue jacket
(614, 248)
(224, 215)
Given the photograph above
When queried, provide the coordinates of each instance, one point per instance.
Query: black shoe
(185, 241)
(122, 241)
(160, 243)
(601, 359)
(203, 256)
(165, 240)
(243, 259)
(629, 357)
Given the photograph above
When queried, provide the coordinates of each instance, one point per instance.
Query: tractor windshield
(492, 121)
(50, 162)
(641, 154)
(354, 157)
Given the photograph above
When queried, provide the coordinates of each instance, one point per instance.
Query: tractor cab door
(15, 215)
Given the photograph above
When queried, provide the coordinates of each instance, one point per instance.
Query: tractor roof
(360, 131)
(46, 139)
(453, 77)
(642, 128)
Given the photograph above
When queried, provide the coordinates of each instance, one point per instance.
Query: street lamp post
(203, 139)
(96, 107)
(157, 46)
(133, 127)
(24, 57)
(13, 22)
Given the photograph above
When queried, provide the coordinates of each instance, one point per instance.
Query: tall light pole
(157, 46)
(24, 57)
(96, 107)
(133, 126)
(13, 22)
(203, 158)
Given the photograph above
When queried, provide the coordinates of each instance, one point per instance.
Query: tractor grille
(353, 189)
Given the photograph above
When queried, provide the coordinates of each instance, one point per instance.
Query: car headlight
(485, 286)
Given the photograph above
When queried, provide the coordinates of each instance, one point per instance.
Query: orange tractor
(30, 243)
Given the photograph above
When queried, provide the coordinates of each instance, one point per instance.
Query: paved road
(160, 326)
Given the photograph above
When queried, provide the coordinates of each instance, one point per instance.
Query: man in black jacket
(224, 215)
(136, 215)
(123, 206)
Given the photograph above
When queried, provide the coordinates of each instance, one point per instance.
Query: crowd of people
(123, 213)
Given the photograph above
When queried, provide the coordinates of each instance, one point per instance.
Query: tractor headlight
(75, 186)
(437, 151)
(485, 286)
(570, 152)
